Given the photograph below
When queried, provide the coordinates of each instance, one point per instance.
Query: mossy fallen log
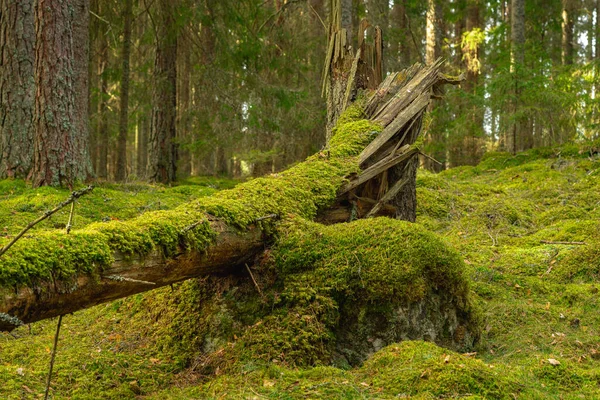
(54, 273)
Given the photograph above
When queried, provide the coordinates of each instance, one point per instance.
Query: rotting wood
(230, 251)
(399, 122)
(378, 168)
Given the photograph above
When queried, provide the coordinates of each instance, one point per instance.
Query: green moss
(366, 262)
(581, 264)
(410, 368)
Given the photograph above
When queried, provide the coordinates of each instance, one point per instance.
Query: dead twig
(70, 223)
(52, 357)
(566, 243)
(270, 216)
(120, 278)
(431, 158)
(255, 283)
(74, 196)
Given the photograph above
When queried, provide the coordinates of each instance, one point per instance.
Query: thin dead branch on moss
(74, 196)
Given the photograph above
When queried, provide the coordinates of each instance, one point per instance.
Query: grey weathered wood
(421, 83)
(399, 122)
(371, 172)
(391, 193)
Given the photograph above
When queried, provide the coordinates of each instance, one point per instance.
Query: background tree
(17, 87)
(121, 172)
(60, 143)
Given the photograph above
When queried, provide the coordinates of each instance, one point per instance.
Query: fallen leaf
(267, 383)
(554, 362)
(364, 384)
(447, 359)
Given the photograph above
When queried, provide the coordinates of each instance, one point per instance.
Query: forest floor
(527, 227)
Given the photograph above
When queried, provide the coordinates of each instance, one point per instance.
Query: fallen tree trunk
(53, 273)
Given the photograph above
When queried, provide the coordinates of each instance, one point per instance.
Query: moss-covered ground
(540, 302)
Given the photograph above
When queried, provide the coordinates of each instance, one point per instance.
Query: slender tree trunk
(17, 87)
(162, 156)
(142, 147)
(121, 172)
(183, 106)
(434, 34)
(516, 134)
(61, 135)
(567, 32)
(472, 146)
(102, 127)
(81, 53)
(434, 138)
(93, 82)
(400, 46)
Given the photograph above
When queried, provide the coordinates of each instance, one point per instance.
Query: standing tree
(567, 32)
(17, 87)
(516, 137)
(121, 172)
(162, 155)
(435, 138)
(61, 119)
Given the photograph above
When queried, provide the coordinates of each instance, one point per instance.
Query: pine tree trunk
(142, 147)
(162, 155)
(102, 128)
(183, 107)
(516, 135)
(435, 138)
(567, 32)
(472, 147)
(121, 172)
(61, 135)
(17, 87)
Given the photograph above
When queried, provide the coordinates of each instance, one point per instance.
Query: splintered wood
(399, 105)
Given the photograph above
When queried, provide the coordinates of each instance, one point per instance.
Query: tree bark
(516, 135)
(433, 49)
(142, 147)
(102, 128)
(469, 149)
(162, 155)
(130, 275)
(567, 32)
(435, 138)
(17, 87)
(61, 136)
(121, 172)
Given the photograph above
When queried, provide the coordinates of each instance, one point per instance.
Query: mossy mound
(411, 369)
(581, 264)
(330, 294)
(422, 368)
(345, 291)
